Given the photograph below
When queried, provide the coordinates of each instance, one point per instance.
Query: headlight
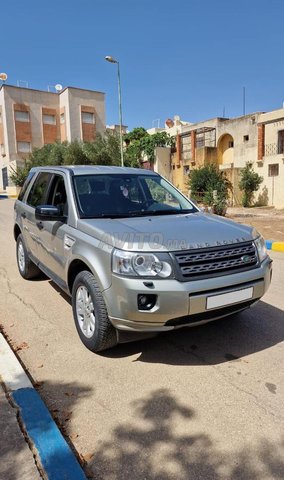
(261, 248)
(141, 264)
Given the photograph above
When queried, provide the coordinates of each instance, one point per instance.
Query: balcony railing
(273, 149)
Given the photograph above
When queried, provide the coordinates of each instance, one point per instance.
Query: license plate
(229, 298)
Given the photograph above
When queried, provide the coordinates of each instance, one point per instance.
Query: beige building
(230, 143)
(33, 118)
(270, 160)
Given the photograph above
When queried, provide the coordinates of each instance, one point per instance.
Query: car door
(52, 255)
(31, 227)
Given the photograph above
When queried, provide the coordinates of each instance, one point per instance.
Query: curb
(57, 460)
(275, 246)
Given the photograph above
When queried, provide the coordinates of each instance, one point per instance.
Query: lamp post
(110, 59)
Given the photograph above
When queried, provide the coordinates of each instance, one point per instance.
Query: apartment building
(32, 118)
(230, 143)
(270, 159)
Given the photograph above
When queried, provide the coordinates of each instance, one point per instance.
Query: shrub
(211, 185)
(249, 183)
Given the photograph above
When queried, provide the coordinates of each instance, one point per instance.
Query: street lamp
(110, 59)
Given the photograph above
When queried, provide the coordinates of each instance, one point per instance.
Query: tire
(26, 267)
(90, 314)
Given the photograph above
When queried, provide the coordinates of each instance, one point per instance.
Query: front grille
(216, 261)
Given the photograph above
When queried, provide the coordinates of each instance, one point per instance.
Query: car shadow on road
(231, 338)
(61, 293)
(149, 446)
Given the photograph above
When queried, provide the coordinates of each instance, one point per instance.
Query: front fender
(97, 260)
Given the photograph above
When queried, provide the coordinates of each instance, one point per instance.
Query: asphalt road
(203, 403)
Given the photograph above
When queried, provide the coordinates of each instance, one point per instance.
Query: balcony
(272, 149)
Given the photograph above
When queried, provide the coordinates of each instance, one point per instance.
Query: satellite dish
(3, 76)
(58, 87)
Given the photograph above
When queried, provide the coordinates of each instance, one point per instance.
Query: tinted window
(38, 191)
(122, 195)
(25, 186)
(57, 194)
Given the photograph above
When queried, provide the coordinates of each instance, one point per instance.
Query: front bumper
(180, 303)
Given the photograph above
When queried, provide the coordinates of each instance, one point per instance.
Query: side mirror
(48, 212)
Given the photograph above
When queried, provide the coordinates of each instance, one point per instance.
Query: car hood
(166, 233)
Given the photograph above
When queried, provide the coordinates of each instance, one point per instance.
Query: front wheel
(90, 314)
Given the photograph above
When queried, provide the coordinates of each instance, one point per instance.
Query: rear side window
(38, 191)
(26, 185)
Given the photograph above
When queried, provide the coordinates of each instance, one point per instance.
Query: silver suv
(134, 254)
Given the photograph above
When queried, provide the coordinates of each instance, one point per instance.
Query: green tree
(74, 154)
(104, 151)
(151, 142)
(134, 149)
(249, 183)
(140, 144)
(51, 154)
(136, 134)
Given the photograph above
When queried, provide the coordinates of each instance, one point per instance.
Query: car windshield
(123, 195)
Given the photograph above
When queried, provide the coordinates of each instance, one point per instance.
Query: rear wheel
(26, 267)
(90, 314)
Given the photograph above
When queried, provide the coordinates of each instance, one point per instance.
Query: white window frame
(22, 149)
(22, 116)
(62, 118)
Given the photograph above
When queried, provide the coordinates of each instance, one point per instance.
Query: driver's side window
(57, 194)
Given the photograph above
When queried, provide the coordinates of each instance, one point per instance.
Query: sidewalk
(16, 458)
(255, 212)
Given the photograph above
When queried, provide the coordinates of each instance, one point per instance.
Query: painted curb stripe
(55, 455)
(275, 246)
(57, 458)
(268, 244)
(278, 246)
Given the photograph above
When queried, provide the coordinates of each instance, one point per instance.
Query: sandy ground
(269, 222)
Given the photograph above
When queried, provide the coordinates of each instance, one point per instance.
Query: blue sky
(190, 57)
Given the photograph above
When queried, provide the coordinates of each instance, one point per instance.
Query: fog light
(146, 302)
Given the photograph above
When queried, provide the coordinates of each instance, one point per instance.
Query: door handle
(39, 225)
(23, 215)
